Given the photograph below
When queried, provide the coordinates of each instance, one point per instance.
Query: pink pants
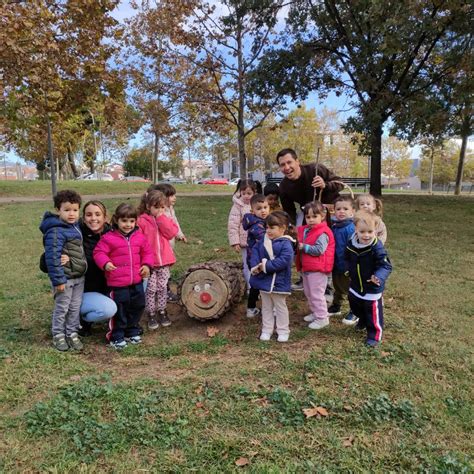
(156, 295)
(314, 285)
(274, 313)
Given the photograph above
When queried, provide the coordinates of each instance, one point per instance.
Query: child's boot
(163, 318)
(153, 323)
(59, 342)
(74, 342)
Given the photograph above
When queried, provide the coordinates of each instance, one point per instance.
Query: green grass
(185, 402)
(43, 188)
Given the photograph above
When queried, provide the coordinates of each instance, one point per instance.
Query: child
(367, 202)
(272, 193)
(126, 257)
(369, 268)
(271, 262)
(246, 188)
(342, 228)
(254, 223)
(159, 229)
(61, 235)
(315, 258)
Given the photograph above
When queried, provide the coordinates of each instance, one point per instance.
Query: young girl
(126, 257)
(315, 259)
(246, 188)
(271, 274)
(367, 202)
(159, 229)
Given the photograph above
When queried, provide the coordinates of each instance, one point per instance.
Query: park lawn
(185, 402)
(43, 188)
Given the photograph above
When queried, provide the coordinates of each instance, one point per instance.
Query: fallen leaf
(199, 242)
(309, 375)
(322, 411)
(348, 441)
(242, 462)
(385, 354)
(347, 408)
(212, 331)
(199, 389)
(310, 412)
(199, 405)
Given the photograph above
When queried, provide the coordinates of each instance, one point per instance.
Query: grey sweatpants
(66, 307)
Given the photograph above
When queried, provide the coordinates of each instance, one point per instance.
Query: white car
(96, 177)
(234, 181)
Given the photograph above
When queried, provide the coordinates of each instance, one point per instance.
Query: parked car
(173, 180)
(215, 181)
(135, 179)
(97, 176)
(234, 181)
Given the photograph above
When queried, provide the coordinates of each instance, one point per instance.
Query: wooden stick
(316, 174)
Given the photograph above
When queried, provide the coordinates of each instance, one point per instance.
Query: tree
(138, 162)
(379, 53)
(396, 161)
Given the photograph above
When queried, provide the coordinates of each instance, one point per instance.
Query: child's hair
(98, 204)
(316, 207)
(244, 184)
(377, 202)
(370, 219)
(124, 211)
(279, 219)
(167, 189)
(257, 198)
(153, 198)
(271, 188)
(67, 195)
(345, 199)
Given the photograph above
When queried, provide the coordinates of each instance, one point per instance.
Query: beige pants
(274, 313)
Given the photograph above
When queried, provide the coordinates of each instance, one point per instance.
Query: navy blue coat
(59, 237)
(342, 231)
(364, 262)
(255, 227)
(277, 257)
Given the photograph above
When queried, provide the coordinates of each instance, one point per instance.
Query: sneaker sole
(154, 328)
(349, 323)
(165, 325)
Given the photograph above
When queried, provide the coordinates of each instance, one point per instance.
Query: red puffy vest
(322, 263)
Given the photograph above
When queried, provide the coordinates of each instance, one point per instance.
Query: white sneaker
(252, 312)
(319, 323)
(265, 336)
(309, 318)
(283, 337)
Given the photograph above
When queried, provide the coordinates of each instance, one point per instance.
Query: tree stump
(209, 289)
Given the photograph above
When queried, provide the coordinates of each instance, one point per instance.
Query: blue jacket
(342, 231)
(364, 262)
(277, 257)
(255, 227)
(59, 237)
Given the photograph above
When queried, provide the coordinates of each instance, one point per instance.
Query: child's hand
(256, 270)
(60, 288)
(64, 259)
(236, 247)
(144, 271)
(300, 246)
(110, 267)
(374, 280)
(183, 238)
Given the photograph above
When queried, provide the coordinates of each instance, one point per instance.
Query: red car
(215, 181)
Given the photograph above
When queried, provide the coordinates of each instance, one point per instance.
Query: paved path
(88, 197)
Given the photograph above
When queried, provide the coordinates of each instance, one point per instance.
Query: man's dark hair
(271, 188)
(67, 195)
(256, 198)
(345, 199)
(286, 151)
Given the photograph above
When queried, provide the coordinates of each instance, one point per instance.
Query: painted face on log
(204, 293)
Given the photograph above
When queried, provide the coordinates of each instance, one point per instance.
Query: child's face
(261, 209)
(94, 218)
(69, 212)
(275, 231)
(313, 219)
(126, 224)
(157, 210)
(365, 233)
(343, 210)
(273, 200)
(246, 194)
(366, 204)
(172, 200)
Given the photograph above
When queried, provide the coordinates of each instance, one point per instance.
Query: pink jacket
(235, 231)
(127, 253)
(159, 231)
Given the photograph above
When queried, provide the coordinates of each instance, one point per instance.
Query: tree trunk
(376, 161)
(210, 289)
(70, 159)
(465, 130)
(430, 188)
(52, 164)
(156, 154)
(241, 112)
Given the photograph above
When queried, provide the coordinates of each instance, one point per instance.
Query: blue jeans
(96, 307)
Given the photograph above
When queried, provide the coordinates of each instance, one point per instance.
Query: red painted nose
(206, 297)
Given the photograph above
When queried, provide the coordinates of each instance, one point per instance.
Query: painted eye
(207, 286)
(197, 288)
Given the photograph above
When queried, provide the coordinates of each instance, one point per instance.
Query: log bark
(208, 290)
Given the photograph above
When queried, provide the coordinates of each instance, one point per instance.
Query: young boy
(272, 193)
(342, 226)
(254, 223)
(369, 268)
(61, 235)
